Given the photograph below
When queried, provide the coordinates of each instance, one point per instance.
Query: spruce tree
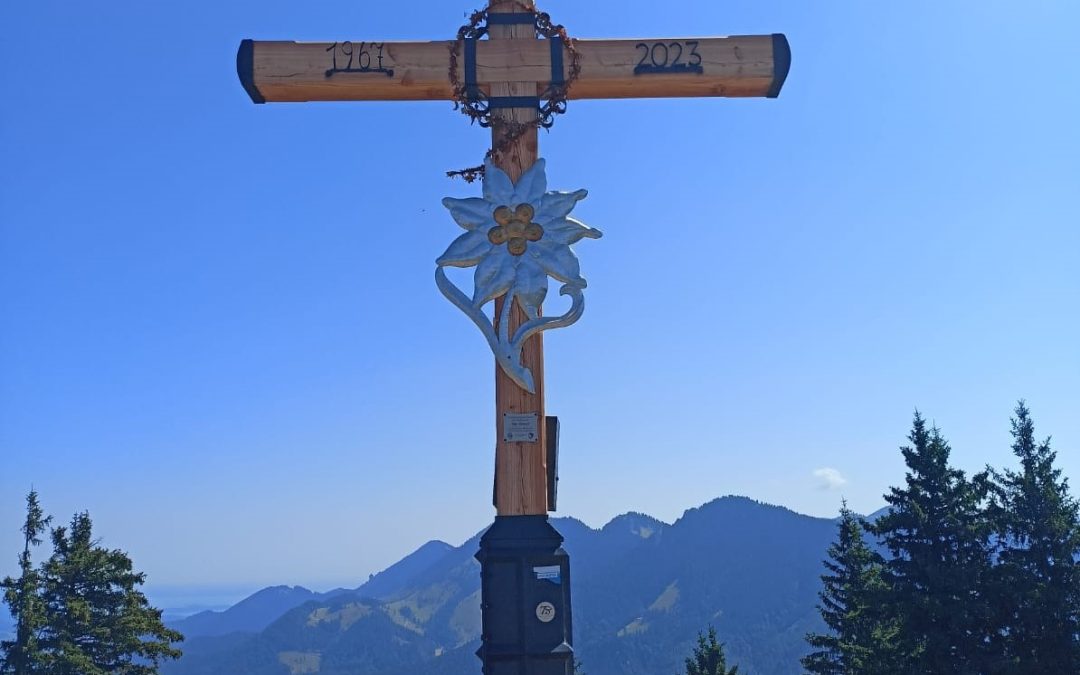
(861, 639)
(96, 621)
(937, 534)
(708, 657)
(21, 656)
(1038, 575)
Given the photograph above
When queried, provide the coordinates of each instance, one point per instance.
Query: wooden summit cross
(516, 67)
(517, 236)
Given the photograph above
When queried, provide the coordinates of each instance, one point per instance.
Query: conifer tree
(937, 534)
(1038, 575)
(708, 657)
(861, 639)
(21, 656)
(96, 621)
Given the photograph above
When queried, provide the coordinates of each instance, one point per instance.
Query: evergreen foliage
(938, 536)
(82, 611)
(1038, 577)
(708, 657)
(862, 638)
(982, 576)
(22, 655)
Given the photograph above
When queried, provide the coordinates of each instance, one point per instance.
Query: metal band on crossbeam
(503, 102)
(558, 72)
(511, 19)
(472, 90)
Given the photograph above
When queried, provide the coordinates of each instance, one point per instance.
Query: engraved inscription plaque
(521, 428)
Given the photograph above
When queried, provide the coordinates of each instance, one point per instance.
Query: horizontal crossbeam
(739, 66)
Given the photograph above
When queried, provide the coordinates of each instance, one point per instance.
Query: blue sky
(220, 335)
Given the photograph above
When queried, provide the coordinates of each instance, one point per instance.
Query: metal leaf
(466, 251)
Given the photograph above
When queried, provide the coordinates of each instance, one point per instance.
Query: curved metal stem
(542, 323)
(462, 302)
(506, 355)
(507, 351)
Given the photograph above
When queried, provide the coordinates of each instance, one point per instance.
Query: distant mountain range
(642, 590)
(260, 609)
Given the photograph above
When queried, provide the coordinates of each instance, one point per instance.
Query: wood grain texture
(740, 66)
(520, 468)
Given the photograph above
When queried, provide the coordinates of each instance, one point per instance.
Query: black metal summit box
(525, 598)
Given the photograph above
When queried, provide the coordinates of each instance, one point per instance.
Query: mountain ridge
(642, 589)
(257, 611)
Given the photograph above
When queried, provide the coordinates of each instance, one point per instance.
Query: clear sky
(219, 331)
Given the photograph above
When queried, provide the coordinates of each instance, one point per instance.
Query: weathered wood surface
(738, 66)
(520, 468)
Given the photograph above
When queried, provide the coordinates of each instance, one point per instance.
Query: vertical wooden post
(521, 540)
(520, 468)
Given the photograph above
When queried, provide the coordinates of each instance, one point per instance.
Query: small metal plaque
(520, 428)
(545, 611)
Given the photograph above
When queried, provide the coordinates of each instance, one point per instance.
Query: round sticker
(545, 611)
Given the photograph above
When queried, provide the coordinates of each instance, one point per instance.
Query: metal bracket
(552, 437)
(472, 88)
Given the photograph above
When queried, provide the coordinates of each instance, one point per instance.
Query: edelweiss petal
(532, 185)
(469, 213)
(568, 231)
(466, 251)
(558, 261)
(494, 276)
(558, 204)
(498, 188)
(530, 286)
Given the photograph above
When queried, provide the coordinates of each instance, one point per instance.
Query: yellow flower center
(515, 228)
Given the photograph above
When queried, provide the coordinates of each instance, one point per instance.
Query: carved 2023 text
(680, 56)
